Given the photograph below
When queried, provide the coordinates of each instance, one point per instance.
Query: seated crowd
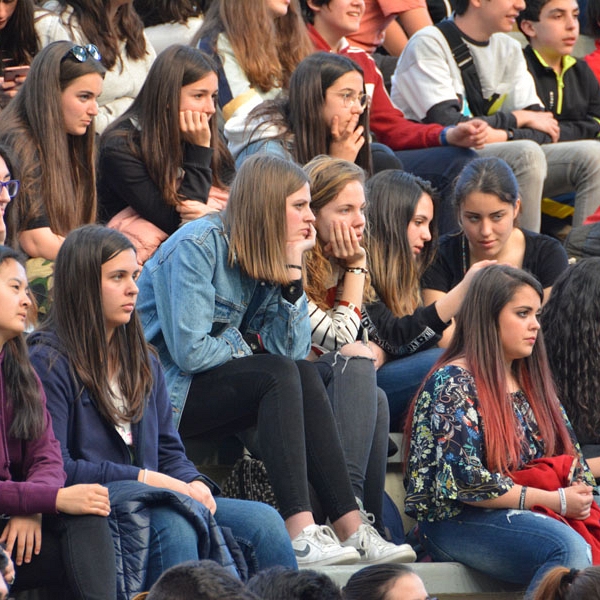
(245, 234)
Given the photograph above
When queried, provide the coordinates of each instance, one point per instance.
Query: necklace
(463, 245)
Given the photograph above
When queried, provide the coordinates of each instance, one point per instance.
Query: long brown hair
(56, 169)
(328, 177)
(19, 42)
(395, 274)
(299, 115)
(256, 216)
(158, 142)
(476, 340)
(268, 50)
(92, 19)
(77, 318)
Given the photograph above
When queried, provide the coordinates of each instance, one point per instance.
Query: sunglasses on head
(82, 53)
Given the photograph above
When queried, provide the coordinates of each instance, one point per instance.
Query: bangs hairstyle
(393, 196)
(256, 216)
(19, 42)
(267, 49)
(77, 308)
(571, 325)
(92, 18)
(327, 177)
(158, 142)
(486, 176)
(477, 339)
(56, 169)
(22, 385)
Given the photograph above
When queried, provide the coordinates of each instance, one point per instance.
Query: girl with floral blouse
(487, 410)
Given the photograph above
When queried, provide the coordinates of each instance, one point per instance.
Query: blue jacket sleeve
(64, 398)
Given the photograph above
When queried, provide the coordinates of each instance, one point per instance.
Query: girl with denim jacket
(222, 300)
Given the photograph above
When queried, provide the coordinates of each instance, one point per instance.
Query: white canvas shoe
(373, 549)
(317, 545)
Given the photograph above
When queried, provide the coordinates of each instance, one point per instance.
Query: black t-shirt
(544, 257)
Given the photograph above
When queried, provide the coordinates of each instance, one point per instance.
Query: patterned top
(447, 463)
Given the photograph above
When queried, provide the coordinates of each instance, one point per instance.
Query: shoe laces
(323, 534)
(368, 536)
(366, 517)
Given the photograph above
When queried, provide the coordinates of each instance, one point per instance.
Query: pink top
(378, 15)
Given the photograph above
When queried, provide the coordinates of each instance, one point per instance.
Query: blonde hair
(256, 216)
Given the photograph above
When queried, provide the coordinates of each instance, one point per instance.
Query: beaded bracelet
(356, 270)
(522, 498)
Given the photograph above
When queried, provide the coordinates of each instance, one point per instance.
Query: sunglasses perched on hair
(11, 186)
(82, 53)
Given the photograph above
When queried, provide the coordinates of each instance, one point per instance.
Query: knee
(530, 158)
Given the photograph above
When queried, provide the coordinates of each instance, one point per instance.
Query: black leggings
(297, 436)
(77, 554)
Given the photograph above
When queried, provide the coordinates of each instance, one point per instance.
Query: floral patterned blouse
(446, 464)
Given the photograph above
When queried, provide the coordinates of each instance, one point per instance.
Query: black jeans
(77, 554)
(297, 436)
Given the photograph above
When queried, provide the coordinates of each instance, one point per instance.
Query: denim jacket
(195, 308)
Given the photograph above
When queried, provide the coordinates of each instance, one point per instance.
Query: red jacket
(387, 122)
(550, 473)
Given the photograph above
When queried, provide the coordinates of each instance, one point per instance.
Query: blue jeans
(260, 532)
(362, 417)
(512, 545)
(400, 379)
(257, 528)
(440, 166)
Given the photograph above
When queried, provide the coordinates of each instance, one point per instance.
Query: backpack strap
(478, 105)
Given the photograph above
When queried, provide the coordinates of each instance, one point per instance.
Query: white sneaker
(374, 549)
(317, 545)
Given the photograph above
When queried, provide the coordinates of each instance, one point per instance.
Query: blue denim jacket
(195, 308)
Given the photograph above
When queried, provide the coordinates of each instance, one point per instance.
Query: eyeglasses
(82, 53)
(11, 186)
(351, 98)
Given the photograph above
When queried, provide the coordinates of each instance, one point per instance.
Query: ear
(517, 208)
(527, 28)
(314, 7)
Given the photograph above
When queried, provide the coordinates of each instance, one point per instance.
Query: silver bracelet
(563, 502)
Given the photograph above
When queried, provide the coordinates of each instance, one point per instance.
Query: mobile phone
(11, 73)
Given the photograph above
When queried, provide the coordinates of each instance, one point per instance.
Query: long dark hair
(158, 141)
(92, 18)
(157, 12)
(476, 339)
(56, 169)
(77, 318)
(19, 42)
(299, 116)
(374, 582)
(562, 583)
(571, 324)
(22, 384)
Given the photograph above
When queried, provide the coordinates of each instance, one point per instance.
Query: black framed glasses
(82, 53)
(11, 186)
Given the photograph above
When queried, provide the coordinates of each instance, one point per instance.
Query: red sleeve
(387, 122)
